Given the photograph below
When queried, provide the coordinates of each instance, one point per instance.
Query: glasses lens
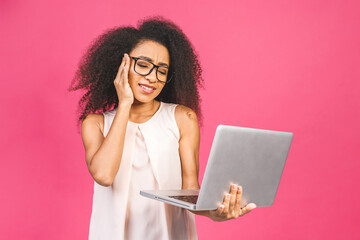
(162, 74)
(143, 67)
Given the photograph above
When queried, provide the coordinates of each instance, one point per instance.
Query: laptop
(252, 158)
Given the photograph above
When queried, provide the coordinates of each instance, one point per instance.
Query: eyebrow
(149, 59)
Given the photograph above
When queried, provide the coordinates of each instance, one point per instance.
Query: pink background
(281, 65)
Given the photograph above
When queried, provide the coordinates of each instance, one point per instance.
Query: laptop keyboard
(189, 198)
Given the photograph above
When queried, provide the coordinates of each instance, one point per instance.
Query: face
(147, 88)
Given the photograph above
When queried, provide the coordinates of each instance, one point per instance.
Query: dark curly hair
(99, 66)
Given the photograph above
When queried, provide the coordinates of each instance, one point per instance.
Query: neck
(143, 109)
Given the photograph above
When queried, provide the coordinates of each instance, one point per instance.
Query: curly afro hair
(99, 65)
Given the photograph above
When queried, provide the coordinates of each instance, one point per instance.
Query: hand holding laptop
(230, 208)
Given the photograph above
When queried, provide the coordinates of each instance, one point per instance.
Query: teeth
(147, 88)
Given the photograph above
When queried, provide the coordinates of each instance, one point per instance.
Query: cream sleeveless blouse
(151, 151)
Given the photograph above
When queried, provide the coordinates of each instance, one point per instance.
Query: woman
(140, 131)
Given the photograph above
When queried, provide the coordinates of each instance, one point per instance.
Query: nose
(151, 77)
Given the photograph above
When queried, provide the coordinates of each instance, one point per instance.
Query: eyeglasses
(144, 68)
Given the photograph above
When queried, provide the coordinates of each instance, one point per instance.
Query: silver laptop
(252, 158)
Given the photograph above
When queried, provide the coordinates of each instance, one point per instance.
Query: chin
(143, 99)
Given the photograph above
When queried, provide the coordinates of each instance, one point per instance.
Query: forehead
(154, 50)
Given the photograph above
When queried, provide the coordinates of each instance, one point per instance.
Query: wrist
(125, 105)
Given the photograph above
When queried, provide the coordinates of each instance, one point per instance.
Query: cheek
(159, 89)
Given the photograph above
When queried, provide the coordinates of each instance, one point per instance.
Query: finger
(220, 209)
(248, 208)
(127, 61)
(121, 67)
(233, 193)
(226, 203)
(124, 79)
(126, 67)
(238, 200)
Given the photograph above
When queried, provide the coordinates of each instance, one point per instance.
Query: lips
(147, 88)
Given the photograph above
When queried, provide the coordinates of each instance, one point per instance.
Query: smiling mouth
(147, 88)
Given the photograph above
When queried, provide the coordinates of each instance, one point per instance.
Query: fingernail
(227, 196)
(239, 188)
(221, 206)
(234, 187)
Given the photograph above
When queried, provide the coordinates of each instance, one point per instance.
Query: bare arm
(188, 146)
(189, 149)
(103, 155)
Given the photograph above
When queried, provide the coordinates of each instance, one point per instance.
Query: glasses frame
(157, 68)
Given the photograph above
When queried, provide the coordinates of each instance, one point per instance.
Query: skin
(103, 155)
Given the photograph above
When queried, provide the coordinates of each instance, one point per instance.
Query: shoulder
(186, 118)
(183, 113)
(93, 121)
